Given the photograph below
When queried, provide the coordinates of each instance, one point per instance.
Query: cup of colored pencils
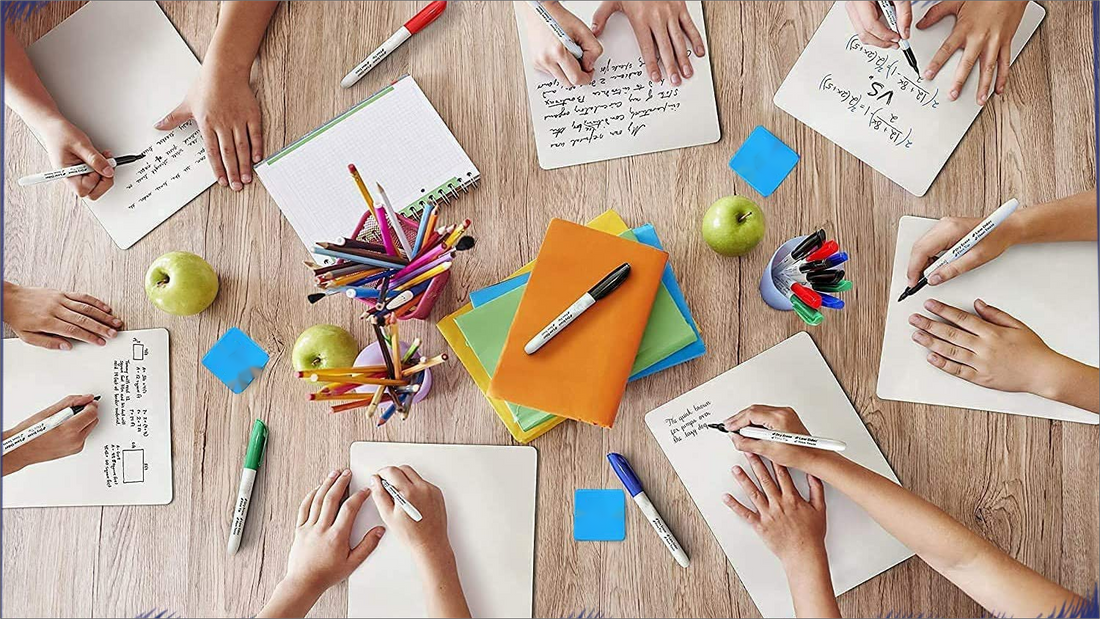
(399, 273)
(387, 379)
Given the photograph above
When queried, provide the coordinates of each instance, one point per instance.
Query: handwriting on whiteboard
(889, 80)
(689, 423)
(179, 153)
(617, 106)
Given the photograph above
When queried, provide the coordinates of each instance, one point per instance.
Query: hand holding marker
(787, 438)
(892, 20)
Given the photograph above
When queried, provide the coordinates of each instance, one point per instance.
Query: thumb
(599, 19)
(94, 158)
(968, 262)
(936, 13)
(995, 315)
(174, 118)
(366, 546)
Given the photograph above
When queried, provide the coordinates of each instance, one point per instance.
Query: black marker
(892, 19)
(809, 244)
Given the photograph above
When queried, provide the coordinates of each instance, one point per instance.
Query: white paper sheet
(620, 113)
(127, 458)
(490, 497)
(869, 101)
(794, 374)
(1051, 287)
(115, 69)
(394, 137)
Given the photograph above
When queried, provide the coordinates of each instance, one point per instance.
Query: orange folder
(580, 373)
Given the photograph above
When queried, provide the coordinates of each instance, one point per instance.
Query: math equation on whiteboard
(618, 105)
(887, 80)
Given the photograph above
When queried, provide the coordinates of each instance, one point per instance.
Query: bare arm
(1002, 585)
(1072, 218)
(23, 90)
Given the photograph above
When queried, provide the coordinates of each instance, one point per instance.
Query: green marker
(808, 314)
(252, 459)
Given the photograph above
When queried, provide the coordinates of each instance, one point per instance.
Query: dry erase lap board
(794, 374)
(127, 458)
(115, 69)
(869, 101)
(394, 137)
(490, 495)
(620, 113)
(1051, 287)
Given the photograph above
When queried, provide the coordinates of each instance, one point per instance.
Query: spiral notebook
(394, 137)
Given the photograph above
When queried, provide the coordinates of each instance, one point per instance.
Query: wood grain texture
(1027, 484)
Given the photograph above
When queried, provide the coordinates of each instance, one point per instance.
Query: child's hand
(64, 440)
(426, 539)
(663, 28)
(66, 145)
(548, 53)
(44, 317)
(991, 349)
(791, 527)
(223, 105)
(319, 557)
(779, 419)
(867, 19)
(944, 235)
(984, 31)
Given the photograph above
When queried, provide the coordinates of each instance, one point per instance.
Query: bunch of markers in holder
(389, 388)
(393, 276)
(808, 277)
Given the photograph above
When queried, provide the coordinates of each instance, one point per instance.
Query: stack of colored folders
(478, 331)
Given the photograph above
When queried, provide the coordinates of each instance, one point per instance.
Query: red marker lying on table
(426, 16)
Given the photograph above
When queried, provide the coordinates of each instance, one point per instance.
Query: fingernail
(111, 333)
(954, 94)
(221, 181)
(364, 490)
(380, 533)
(247, 178)
(675, 80)
(256, 158)
(345, 473)
(980, 303)
(66, 346)
(236, 185)
(687, 70)
(373, 481)
(914, 320)
(109, 172)
(116, 322)
(655, 76)
(931, 304)
(928, 74)
(982, 99)
(100, 341)
(918, 336)
(935, 278)
(333, 474)
(700, 51)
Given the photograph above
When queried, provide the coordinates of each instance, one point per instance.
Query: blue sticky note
(599, 515)
(235, 359)
(763, 161)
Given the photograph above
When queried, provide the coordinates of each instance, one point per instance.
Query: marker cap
(625, 473)
(256, 444)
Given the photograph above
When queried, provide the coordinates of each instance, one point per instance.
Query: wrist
(221, 63)
(1054, 377)
(805, 560)
(15, 461)
(436, 560)
(299, 588)
(1018, 228)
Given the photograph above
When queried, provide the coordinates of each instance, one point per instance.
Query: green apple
(733, 225)
(324, 346)
(181, 283)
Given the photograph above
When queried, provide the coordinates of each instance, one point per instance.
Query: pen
(42, 427)
(426, 16)
(257, 441)
(409, 508)
(634, 486)
(76, 170)
(602, 288)
(892, 20)
(556, 28)
(965, 244)
(807, 245)
(798, 440)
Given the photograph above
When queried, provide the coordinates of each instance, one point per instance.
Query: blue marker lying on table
(634, 487)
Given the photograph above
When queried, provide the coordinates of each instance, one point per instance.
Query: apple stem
(742, 217)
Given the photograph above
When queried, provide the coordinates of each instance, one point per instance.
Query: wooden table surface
(1029, 485)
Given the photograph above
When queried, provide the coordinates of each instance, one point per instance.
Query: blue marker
(831, 302)
(634, 487)
(820, 265)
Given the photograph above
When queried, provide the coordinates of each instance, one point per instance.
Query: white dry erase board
(620, 113)
(115, 69)
(127, 458)
(868, 101)
(793, 374)
(1051, 287)
(490, 496)
(393, 137)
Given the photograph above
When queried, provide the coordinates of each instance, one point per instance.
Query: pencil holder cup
(372, 355)
(772, 296)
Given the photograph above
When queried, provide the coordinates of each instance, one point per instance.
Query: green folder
(486, 329)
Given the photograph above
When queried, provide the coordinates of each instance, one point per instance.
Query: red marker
(823, 252)
(806, 295)
(426, 16)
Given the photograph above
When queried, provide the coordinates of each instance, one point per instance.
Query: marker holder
(768, 290)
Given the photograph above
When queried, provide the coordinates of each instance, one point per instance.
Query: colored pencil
(423, 365)
(425, 217)
(398, 230)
